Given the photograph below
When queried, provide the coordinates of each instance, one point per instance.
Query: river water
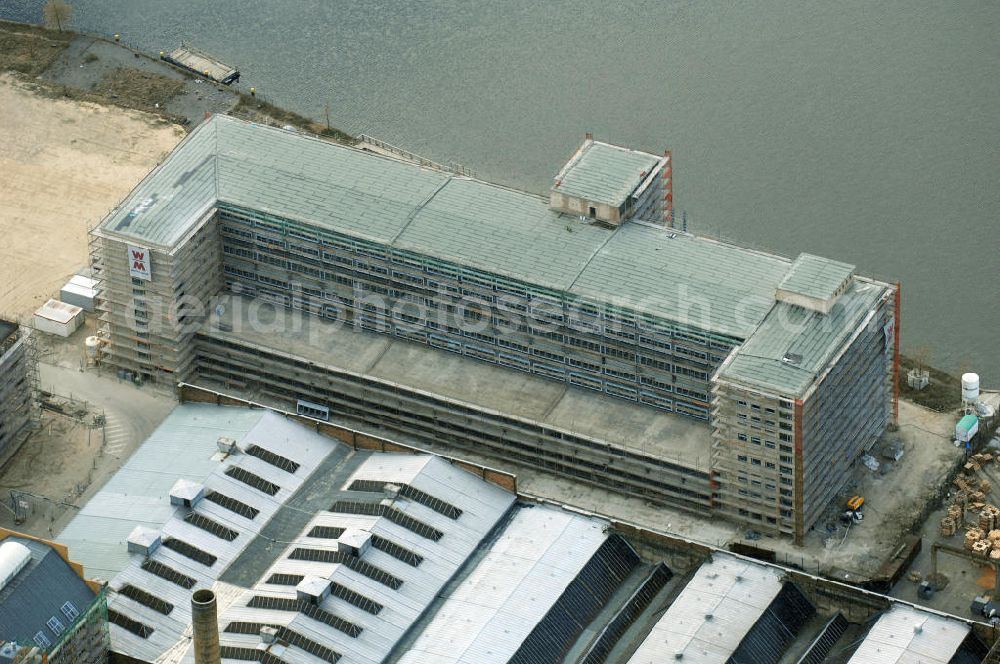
(864, 131)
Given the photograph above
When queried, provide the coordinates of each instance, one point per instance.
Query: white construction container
(81, 292)
(58, 318)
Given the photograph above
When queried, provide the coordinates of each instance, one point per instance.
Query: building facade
(15, 384)
(590, 288)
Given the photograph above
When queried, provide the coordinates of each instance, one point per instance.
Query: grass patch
(29, 49)
(139, 89)
(943, 393)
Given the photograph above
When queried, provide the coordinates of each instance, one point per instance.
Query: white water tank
(970, 387)
(92, 344)
(13, 557)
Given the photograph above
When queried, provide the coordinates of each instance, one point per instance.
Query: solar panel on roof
(355, 598)
(168, 573)
(396, 551)
(208, 525)
(326, 532)
(285, 579)
(146, 599)
(414, 494)
(233, 505)
(307, 644)
(276, 460)
(139, 629)
(243, 627)
(391, 513)
(190, 551)
(322, 615)
(242, 654)
(252, 480)
(356, 564)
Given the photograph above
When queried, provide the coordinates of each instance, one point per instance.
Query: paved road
(132, 413)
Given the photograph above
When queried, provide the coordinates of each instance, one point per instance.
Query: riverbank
(92, 68)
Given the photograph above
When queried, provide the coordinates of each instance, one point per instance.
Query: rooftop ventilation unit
(227, 445)
(355, 542)
(143, 540)
(186, 493)
(312, 589)
(391, 490)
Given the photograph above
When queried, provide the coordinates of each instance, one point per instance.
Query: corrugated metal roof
(482, 505)
(603, 173)
(794, 344)
(815, 276)
(491, 612)
(905, 635)
(505, 232)
(183, 446)
(711, 616)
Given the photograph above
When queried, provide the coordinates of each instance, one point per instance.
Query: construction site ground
(91, 424)
(65, 164)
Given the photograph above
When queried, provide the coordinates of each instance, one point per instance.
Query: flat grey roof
(815, 276)
(794, 344)
(466, 380)
(719, 287)
(603, 173)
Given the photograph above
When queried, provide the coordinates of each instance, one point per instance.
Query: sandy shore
(63, 165)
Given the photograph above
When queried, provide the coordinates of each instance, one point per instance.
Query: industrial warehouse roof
(713, 614)
(716, 286)
(435, 520)
(490, 614)
(816, 277)
(242, 493)
(794, 344)
(602, 173)
(905, 635)
(183, 446)
(42, 600)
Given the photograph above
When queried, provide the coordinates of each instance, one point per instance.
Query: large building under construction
(604, 321)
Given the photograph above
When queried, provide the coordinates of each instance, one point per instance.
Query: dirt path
(63, 165)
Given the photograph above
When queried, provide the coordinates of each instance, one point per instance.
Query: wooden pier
(202, 64)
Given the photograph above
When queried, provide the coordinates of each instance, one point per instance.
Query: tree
(57, 13)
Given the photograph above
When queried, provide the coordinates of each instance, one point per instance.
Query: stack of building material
(984, 486)
(972, 536)
(981, 548)
(955, 513)
(989, 516)
(948, 526)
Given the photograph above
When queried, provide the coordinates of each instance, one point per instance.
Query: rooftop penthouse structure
(791, 363)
